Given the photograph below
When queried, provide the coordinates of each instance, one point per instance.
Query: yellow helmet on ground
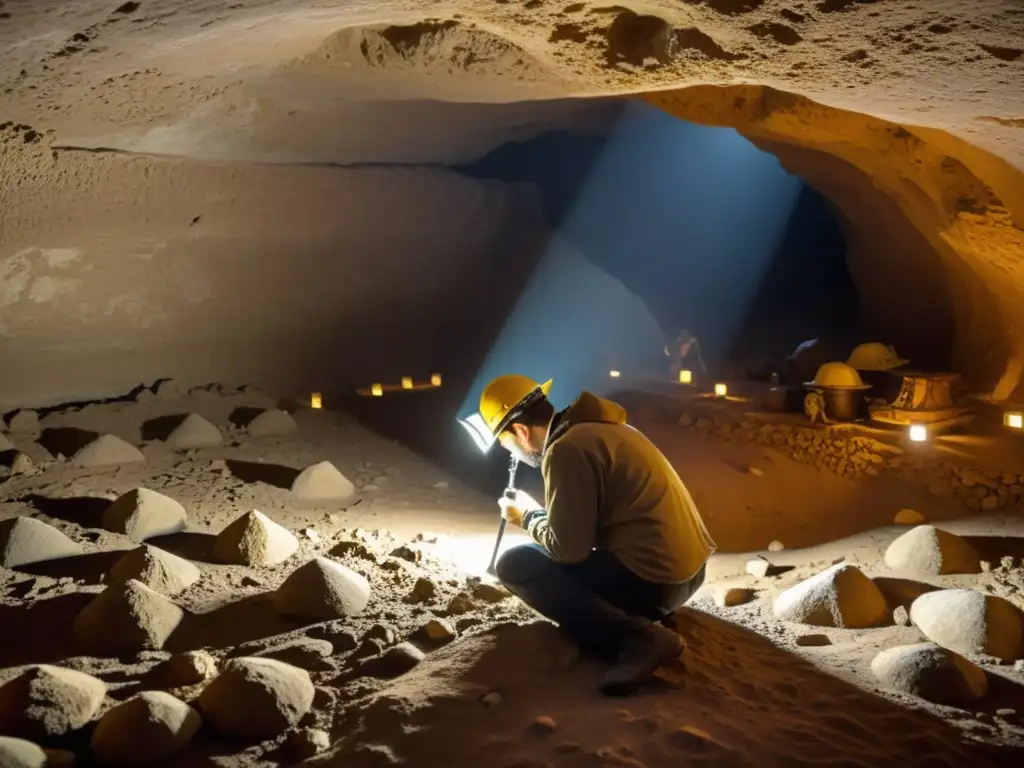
(506, 395)
(875, 356)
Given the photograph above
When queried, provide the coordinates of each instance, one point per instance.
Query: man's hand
(514, 509)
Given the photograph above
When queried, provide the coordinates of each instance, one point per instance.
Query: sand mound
(254, 539)
(142, 514)
(5, 444)
(159, 570)
(25, 540)
(24, 422)
(127, 617)
(106, 450)
(272, 422)
(256, 698)
(322, 589)
(46, 701)
(322, 482)
(194, 432)
(841, 596)
(932, 673)
(18, 753)
(969, 622)
(908, 517)
(146, 728)
(166, 389)
(927, 549)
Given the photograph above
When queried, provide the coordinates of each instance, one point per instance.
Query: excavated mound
(927, 549)
(322, 589)
(47, 701)
(254, 539)
(107, 450)
(841, 596)
(932, 673)
(256, 698)
(970, 623)
(271, 423)
(194, 432)
(322, 483)
(159, 570)
(146, 728)
(143, 514)
(24, 540)
(127, 617)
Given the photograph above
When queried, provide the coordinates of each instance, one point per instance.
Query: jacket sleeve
(568, 527)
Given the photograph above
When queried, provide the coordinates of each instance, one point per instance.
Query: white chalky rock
(272, 422)
(970, 623)
(159, 570)
(46, 701)
(127, 617)
(322, 589)
(254, 539)
(256, 698)
(18, 753)
(141, 514)
(194, 432)
(146, 728)
(25, 540)
(107, 450)
(322, 482)
(932, 673)
(927, 549)
(841, 596)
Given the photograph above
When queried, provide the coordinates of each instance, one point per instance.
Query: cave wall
(118, 269)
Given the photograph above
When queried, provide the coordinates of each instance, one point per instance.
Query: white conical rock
(256, 698)
(25, 540)
(141, 514)
(272, 422)
(46, 701)
(254, 539)
(322, 482)
(106, 450)
(932, 673)
(159, 570)
(147, 728)
(841, 596)
(194, 432)
(927, 549)
(127, 617)
(970, 623)
(322, 589)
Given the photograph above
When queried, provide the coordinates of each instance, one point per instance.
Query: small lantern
(918, 433)
(435, 379)
(377, 390)
(1014, 420)
(614, 374)
(721, 390)
(407, 382)
(686, 377)
(316, 400)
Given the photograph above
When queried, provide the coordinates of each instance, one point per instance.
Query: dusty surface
(924, 168)
(751, 690)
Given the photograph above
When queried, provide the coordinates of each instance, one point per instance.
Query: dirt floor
(441, 669)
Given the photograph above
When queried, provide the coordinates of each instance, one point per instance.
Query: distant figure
(683, 353)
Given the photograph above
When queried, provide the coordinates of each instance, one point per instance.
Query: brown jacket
(608, 487)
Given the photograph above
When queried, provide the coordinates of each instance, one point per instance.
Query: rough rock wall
(117, 269)
(935, 224)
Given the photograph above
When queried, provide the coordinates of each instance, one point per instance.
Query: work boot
(641, 654)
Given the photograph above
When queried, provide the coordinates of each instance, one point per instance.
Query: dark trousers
(597, 602)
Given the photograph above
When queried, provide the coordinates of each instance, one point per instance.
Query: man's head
(517, 412)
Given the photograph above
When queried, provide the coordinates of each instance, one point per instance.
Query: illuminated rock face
(115, 267)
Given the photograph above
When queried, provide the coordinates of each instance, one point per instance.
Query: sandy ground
(509, 691)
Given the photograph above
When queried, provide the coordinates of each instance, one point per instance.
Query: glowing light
(377, 390)
(407, 382)
(686, 377)
(614, 374)
(316, 400)
(721, 390)
(918, 433)
(1014, 420)
(482, 437)
(435, 379)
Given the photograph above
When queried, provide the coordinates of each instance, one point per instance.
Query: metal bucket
(844, 404)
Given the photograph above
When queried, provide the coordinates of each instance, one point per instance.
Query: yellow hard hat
(875, 356)
(837, 376)
(504, 395)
